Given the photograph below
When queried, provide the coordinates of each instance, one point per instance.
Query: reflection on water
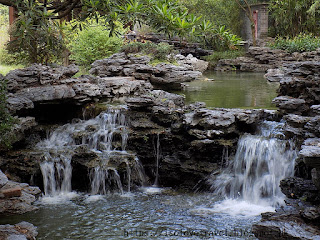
(232, 90)
(140, 215)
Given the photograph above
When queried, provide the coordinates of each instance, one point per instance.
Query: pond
(232, 90)
(146, 214)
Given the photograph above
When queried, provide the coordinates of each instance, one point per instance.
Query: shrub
(93, 43)
(301, 43)
(157, 51)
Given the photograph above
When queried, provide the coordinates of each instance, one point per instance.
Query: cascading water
(105, 136)
(261, 161)
(157, 153)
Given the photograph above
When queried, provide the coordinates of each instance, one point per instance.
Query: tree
(292, 17)
(39, 35)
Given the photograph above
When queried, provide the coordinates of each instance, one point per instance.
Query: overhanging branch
(8, 3)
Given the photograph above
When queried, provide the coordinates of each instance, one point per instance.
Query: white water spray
(260, 163)
(106, 136)
(157, 153)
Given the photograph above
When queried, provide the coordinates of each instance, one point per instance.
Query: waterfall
(260, 162)
(105, 136)
(157, 152)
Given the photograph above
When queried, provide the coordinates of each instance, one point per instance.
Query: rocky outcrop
(39, 85)
(16, 198)
(298, 102)
(182, 132)
(20, 231)
(163, 75)
(260, 59)
(286, 225)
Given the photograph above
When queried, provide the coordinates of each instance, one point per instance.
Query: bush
(93, 43)
(157, 51)
(301, 43)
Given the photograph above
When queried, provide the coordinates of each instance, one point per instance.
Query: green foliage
(93, 43)
(157, 51)
(220, 12)
(214, 58)
(219, 39)
(292, 17)
(6, 120)
(301, 43)
(7, 58)
(35, 34)
(172, 19)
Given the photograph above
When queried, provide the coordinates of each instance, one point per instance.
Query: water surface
(232, 90)
(139, 215)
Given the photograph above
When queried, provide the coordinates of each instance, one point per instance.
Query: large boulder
(17, 198)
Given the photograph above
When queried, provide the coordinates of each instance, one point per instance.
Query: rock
(310, 152)
(216, 119)
(296, 188)
(19, 130)
(163, 98)
(291, 105)
(315, 109)
(296, 120)
(3, 179)
(315, 174)
(143, 102)
(11, 192)
(66, 90)
(47, 93)
(311, 214)
(283, 227)
(262, 59)
(313, 126)
(16, 103)
(17, 198)
(274, 75)
(38, 74)
(163, 75)
(195, 63)
(20, 231)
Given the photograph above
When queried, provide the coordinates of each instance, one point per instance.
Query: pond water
(232, 90)
(147, 214)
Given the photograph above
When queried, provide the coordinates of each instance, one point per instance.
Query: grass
(4, 69)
